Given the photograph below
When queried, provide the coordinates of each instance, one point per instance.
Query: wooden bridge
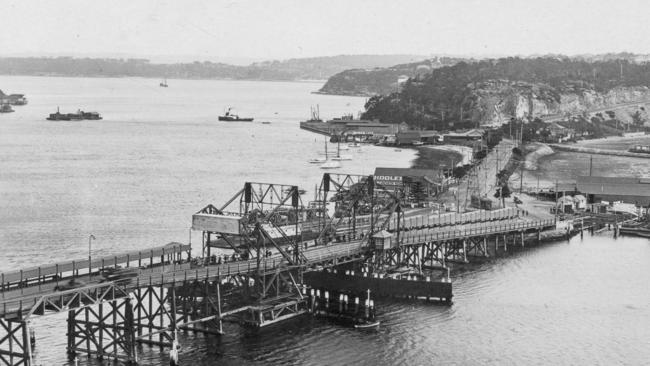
(168, 288)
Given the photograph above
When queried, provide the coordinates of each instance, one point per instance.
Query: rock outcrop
(496, 101)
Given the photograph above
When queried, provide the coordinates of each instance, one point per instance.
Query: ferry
(79, 116)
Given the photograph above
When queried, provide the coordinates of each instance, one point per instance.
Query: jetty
(288, 257)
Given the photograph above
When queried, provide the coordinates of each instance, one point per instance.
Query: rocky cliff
(496, 101)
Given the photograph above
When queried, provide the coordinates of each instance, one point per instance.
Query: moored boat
(330, 165)
(639, 229)
(6, 108)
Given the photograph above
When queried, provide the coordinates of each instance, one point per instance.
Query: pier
(283, 248)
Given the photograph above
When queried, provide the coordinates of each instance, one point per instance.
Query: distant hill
(368, 82)
(490, 92)
(316, 68)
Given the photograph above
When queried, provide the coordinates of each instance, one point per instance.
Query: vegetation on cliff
(447, 97)
(380, 80)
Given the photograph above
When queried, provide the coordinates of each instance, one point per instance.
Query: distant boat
(356, 144)
(79, 116)
(231, 117)
(6, 108)
(317, 160)
(164, 83)
(328, 164)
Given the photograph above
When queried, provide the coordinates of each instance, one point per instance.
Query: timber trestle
(115, 304)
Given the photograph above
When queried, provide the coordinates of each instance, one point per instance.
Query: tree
(417, 193)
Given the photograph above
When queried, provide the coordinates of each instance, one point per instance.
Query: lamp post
(90, 267)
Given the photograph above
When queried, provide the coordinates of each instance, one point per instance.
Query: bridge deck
(17, 300)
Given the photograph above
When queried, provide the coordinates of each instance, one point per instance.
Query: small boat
(317, 160)
(338, 154)
(163, 84)
(397, 150)
(6, 108)
(266, 123)
(356, 144)
(342, 157)
(640, 229)
(418, 143)
(367, 324)
(331, 165)
(231, 117)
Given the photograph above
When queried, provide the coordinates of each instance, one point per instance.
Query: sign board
(216, 223)
(389, 182)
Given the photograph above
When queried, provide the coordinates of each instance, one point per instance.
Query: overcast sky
(281, 29)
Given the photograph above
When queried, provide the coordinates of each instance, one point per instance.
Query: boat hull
(634, 231)
(231, 119)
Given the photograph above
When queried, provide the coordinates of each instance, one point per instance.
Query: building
(566, 204)
(408, 180)
(580, 202)
(465, 136)
(625, 189)
(560, 133)
(417, 137)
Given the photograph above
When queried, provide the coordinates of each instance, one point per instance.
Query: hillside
(368, 82)
(293, 69)
(492, 91)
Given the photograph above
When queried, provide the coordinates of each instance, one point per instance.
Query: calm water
(134, 179)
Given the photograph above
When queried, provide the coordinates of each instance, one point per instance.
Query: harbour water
(134, 179)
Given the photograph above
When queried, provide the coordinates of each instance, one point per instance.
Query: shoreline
(428, 158)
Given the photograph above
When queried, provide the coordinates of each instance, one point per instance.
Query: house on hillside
(559, 133)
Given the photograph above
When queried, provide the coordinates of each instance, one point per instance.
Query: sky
(234, 30)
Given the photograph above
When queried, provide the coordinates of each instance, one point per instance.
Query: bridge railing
(50, 273)
(416, 238)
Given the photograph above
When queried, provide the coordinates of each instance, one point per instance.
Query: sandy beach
(464, 151)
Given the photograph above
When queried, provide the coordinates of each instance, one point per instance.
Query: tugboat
(231, 117)
(6, 108)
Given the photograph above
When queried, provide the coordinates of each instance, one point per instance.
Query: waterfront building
(634, 190)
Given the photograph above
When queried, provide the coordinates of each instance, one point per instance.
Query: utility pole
(521, 177)
(555, 213)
